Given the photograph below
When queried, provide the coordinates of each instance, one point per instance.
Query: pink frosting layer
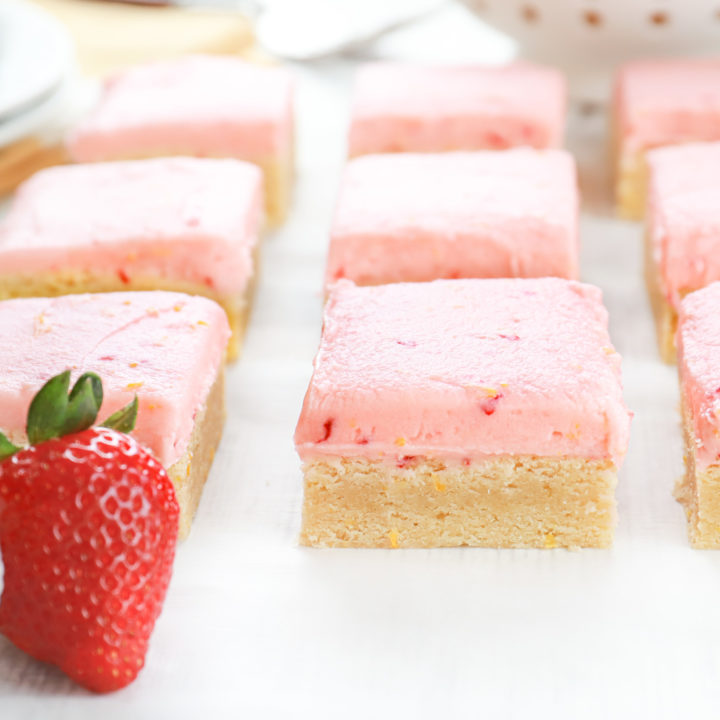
(407, 217)
(414, 108)
(197, 105)
(698, 342)
(663, 102)
(165, 347)
(465, 369)
(684, 216)
(182, 219)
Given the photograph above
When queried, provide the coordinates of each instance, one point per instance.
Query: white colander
(589, 38)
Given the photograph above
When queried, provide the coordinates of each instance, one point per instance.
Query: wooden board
(109, 36)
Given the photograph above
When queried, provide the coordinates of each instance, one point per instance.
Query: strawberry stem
(54, 412)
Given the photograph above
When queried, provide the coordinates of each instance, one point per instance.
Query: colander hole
(593, 18)
(659, 17)
(530, 13)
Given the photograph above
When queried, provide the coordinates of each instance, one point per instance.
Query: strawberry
(88, 527)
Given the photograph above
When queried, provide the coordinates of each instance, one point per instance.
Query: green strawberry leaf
(6, 448)
(124, 419)
(53, 413)
(83, 404)
(46, 415)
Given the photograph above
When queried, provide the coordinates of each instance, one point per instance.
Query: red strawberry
(88, 527)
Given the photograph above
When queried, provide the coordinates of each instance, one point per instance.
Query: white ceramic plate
(35, 55)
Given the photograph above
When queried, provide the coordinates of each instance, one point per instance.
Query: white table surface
(256, 627)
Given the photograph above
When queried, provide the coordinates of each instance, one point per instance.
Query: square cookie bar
(682, 230)
(659, 103)
(414, 217)
(463, 412)
(205, 106)
(415, 108)
(166, 348)
(183, 224)
(699, 365)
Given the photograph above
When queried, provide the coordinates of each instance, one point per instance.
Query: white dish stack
(36, 60)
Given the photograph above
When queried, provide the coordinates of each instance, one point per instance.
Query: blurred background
(602, 626)
(53, 53)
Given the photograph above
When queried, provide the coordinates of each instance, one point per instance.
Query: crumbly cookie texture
(514, 501)
(698, 491)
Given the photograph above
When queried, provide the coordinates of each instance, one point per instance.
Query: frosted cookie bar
(205, 106)
(699, 365)
(682, 230)
(166, 348)
(400, 107)
(659, 103)
(463, 412)
(179, 224)
(414, 217)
